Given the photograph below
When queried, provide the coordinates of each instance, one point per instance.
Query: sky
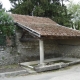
(7, 5)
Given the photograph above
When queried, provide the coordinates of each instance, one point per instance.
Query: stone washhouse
(39, 38)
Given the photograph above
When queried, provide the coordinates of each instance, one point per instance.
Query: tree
(6, 23)
(0, 6)
(53, 9)
(74, 10)
(22, 6)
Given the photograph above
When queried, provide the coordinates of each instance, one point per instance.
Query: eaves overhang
(35, 33)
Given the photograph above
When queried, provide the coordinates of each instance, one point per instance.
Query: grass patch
(10, 68)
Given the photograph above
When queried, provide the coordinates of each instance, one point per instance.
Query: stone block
(64, 65)
(46, 68)
(74, 62)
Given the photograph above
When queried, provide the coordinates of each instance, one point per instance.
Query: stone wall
(29, 50)
(8, 56)
(51, 48)
(69, 47)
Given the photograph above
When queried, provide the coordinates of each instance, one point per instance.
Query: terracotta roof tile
(45, 26)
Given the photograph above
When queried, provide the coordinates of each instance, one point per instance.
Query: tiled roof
(44, 27)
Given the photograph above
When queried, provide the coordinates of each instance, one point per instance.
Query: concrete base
(40, 68)
(50, 67)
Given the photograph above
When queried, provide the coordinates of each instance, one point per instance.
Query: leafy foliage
(0, 6)
(74, 10)
(6, 24)
(53, 9)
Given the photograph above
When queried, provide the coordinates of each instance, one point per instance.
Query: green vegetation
(74, 10)
(6, 23)
(7, 28)
(3, 58)
(53, 9)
